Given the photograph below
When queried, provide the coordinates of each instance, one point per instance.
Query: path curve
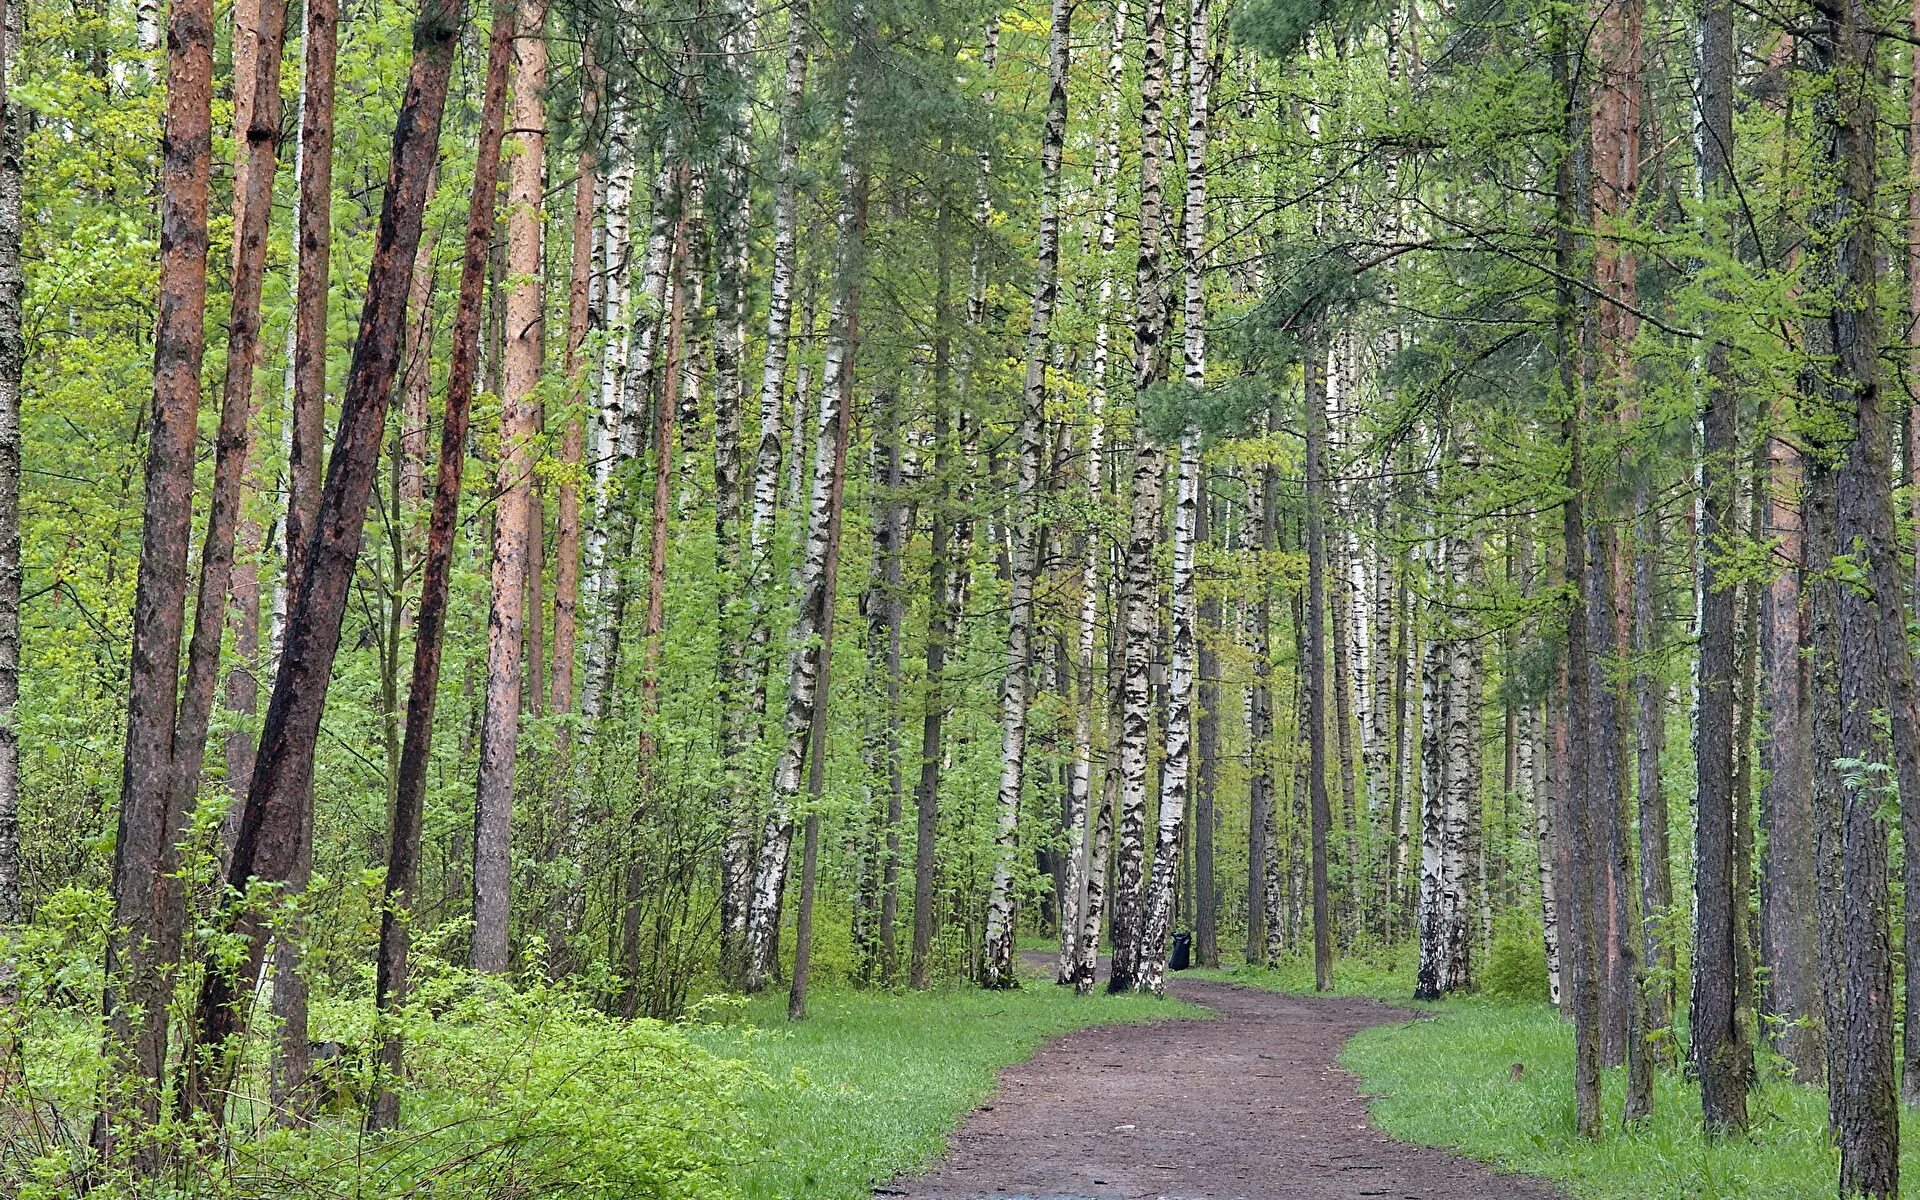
(1252, 1105)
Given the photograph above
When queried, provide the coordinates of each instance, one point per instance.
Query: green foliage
(519, 1092)
(1517, 965)
(1384, 973)
(1449, 1082)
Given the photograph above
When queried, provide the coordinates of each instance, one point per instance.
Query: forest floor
(1251, 1105)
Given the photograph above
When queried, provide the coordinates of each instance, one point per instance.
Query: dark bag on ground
(1182, 951)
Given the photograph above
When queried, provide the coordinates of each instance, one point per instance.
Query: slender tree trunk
(391, 976)
(147, 917)
(267, 844)
(763, 917)
(1721, 1057)
(1315, 710)
(573, 444)
(945, 571)
(997, 968)
(816, 750)
(1656, 870)
(1580, 959)
(737, 854)
(732, 308)
(1262, 526)
(13, 352)
(653, 623)
(1789, 925)
(1189, 497)
(1141, 588)
(514, 511)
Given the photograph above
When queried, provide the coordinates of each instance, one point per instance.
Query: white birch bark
(1177, 775)
(1182, 666)
(12, 364)
(1029, 533)
(742, 685)
(612, 543)
(1149, 467)
(1082, 890)
(1539, 792)
(776, 843)
(617, 287)
(1432, 919)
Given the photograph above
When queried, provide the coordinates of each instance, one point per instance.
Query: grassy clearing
(871, 1084)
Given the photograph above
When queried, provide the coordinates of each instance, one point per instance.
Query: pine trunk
(392, 965)
(514, 511)
(268, 845)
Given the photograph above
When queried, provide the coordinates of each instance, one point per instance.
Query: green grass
(871, 1084)
(1383, 975)
(1447, 1081)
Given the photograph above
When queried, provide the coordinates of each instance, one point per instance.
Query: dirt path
(1250, 1106)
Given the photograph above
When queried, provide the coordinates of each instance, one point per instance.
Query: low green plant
(1517, 963)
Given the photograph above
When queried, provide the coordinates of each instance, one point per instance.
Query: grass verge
(872, 1083)
(1448, 1081)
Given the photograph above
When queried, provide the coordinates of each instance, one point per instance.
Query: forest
(626, 599)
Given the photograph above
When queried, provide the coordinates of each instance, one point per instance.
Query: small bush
(1517, 965)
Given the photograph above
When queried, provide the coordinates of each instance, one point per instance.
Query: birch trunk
(1141, 585)
(1029, 534)
(13, 130)
(737, 853)
(763, 915)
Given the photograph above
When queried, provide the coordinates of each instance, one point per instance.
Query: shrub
(1517, 965)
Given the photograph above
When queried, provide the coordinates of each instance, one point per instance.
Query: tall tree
(398, 898)
(1140, 587)
(267, 840)
(147, 913)
(514, 512)
(1029, 531)
(817, 564)
(1721, 1055)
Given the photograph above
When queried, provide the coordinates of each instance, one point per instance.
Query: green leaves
(1172, 410)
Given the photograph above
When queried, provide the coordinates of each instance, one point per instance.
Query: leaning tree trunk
(147, 900)
(1029, 532)
(745, 721)
(513, 482)
(763, 914)
(265, 847)
(391, 966)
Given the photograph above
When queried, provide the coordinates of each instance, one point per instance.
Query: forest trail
(1252, 1105)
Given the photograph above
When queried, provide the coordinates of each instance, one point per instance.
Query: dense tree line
(1340, 479)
